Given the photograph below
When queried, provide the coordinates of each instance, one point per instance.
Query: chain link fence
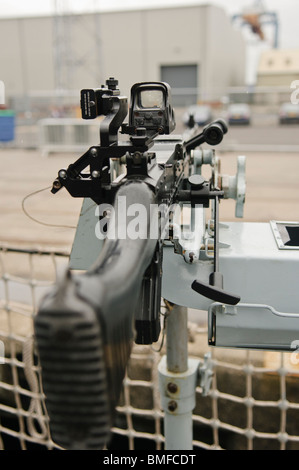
(253, 402)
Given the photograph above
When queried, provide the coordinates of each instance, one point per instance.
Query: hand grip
(215, 292)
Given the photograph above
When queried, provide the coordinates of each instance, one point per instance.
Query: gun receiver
(85, 327)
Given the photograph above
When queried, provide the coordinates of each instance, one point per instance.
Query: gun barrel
(85, 328)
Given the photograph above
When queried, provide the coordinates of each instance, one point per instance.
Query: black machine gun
(85, 327)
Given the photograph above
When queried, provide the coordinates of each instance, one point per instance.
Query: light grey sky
(287, 10)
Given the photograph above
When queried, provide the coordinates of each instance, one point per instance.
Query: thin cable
(36, 220)
(168, 308)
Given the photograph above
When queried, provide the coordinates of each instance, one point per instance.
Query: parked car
(239, 113)
(202, 115)
(289, 113)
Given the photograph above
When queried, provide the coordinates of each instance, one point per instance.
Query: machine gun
(86, 325)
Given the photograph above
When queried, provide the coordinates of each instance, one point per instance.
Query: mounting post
(178, 377)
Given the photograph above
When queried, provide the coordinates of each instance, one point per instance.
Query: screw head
(172, 387)
(56, 184)
(63, 174)
(93, 151)
(172, 406)
(196, 181)
(95, 174)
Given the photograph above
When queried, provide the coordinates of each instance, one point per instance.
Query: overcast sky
(287, 10)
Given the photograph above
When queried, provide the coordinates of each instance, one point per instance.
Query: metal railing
(66, 135)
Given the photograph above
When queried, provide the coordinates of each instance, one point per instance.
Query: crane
(256, 16)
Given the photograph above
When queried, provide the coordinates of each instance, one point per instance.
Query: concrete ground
(272, 193)
(24, 172)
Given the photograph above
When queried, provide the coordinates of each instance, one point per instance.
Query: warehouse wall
(225, 52)
(130, 45)
(26, 55)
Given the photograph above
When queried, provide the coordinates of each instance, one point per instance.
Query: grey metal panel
(86, 246)
(178, 277)
(253, 267)
(254, 327)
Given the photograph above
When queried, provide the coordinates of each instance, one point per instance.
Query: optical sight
(151, 107)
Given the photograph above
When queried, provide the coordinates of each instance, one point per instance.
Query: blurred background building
(278, 67)
(196, 49)
(210, 55)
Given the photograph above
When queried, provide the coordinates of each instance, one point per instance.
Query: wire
(168, 307)
(40, 221)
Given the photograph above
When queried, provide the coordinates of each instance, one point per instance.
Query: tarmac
(25, 172)
(272, 184)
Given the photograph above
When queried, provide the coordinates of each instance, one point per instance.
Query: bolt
(93, 151)
(172, 388)
(112, 83)
(172, 405)
(137, 156)
(56, 184)
(63, 174)
(196, 181)
(95, 174)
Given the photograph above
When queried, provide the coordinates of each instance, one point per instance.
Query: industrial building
(278, 67)
(195, 49)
